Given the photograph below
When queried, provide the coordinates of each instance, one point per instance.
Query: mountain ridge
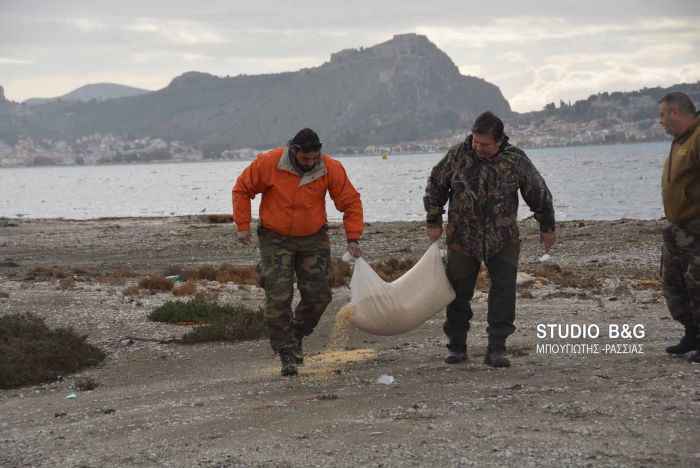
(400, 90)
(87, 92)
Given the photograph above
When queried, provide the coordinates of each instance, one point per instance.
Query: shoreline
(204, 217)
(343, 155)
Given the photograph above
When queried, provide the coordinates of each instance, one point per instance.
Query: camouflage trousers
(281, 258)
(680, 271)
(462, 271)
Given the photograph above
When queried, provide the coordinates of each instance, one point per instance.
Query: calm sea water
(587, 182)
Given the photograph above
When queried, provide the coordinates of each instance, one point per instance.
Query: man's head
(676, 112)
(306, 148)
(487, 135)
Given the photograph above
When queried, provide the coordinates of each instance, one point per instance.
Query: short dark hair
(307, 140)
(488, 123)
(679, 101)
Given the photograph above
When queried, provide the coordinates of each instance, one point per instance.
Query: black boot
(688, 343)
(496, 356)
(289, 365)
(695, 357)
(456, 354)
(297, 350)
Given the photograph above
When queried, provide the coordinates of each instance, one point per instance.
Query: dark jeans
(462, 272)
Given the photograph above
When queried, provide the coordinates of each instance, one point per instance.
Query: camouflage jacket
(483, 196)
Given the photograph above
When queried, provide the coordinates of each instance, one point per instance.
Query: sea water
(587, 182)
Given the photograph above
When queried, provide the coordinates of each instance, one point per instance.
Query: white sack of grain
(383, 308)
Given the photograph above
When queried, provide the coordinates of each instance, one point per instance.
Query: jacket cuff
(353, 236)
(434, 221)
(546, 227)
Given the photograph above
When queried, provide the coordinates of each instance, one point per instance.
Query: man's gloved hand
(244, 237)
(354, 249)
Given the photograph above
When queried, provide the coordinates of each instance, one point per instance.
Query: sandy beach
(224, 404)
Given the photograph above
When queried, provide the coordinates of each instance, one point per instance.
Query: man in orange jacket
(293, 235)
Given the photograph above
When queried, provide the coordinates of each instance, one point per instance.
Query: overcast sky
(536, 52)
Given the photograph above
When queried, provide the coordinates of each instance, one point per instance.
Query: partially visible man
(680, 189)
(293, 235)
(481, 177)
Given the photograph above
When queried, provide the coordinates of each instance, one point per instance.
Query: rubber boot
(695, 357)
(496, 356)
(456, 354)
(297, 349)
(688, 343)
(289, 365)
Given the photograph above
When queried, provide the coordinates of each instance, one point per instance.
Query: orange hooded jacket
(294, 205)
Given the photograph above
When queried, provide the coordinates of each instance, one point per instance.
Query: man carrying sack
(481, 178)
(293, 235)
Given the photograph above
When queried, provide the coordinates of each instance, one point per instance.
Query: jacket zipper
(484, 216)
(294, 203)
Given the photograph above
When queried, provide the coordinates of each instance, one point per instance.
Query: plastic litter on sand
(385, 379)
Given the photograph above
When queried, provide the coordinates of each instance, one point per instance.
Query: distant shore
(342, 153)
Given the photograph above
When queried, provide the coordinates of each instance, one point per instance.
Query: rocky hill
(97, 91)
(401, 90)
(612, 107)
(617, 117)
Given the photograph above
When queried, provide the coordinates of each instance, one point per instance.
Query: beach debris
(651, 283)
(385, 379)
(71, 396)
(544, 258)
(524, 279)
(176, 278)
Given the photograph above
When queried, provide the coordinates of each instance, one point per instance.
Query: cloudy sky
(536, 52)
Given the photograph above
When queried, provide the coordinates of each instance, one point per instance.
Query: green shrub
(32, 353)
(214, 322)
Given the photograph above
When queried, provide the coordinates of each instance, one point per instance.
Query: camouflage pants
(281, 258)
(680, 271)
(462, 272)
